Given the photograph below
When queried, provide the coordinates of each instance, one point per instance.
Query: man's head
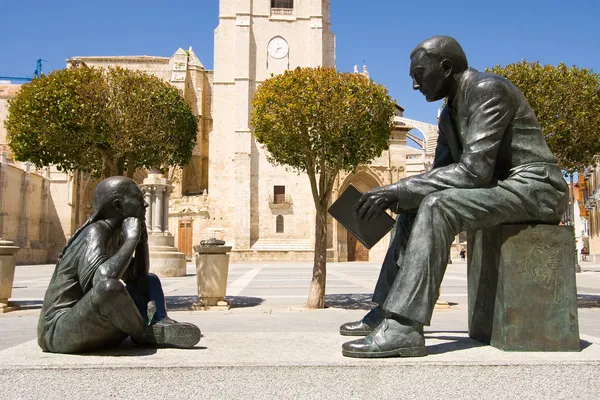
(120, 197)
(435, 65)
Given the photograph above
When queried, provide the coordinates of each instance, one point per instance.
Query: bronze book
(368, 233)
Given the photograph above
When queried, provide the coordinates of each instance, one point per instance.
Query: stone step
(264, 365)
(283, 244)
(324, 382)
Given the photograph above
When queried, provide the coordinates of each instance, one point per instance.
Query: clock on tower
(278, 47)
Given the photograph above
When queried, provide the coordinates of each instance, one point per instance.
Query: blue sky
(380, 33)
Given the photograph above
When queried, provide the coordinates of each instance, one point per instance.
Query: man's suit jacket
(487, 133)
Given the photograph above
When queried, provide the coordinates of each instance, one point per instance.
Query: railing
(282, 11)
(280, 200)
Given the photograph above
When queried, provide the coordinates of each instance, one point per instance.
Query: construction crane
(38, 68)
(20, 80)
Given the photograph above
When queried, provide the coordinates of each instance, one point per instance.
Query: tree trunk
(109, 165)
(120, 162)
(316, 294)
(106, 171)
(130, 166)
(77, 198)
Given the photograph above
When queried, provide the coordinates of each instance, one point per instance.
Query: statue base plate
(222, 305)
(441, 304)
(8, 307)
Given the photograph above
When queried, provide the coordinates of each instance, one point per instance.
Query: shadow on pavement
(350, 301)
(462, 342)
(584, 344)
(588, 301)
(453, 343)
(29, 304)
(130, 349)
(244, 301)
(127, 349)
(184, 303)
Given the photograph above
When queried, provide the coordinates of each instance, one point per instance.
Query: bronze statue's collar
(462, 82)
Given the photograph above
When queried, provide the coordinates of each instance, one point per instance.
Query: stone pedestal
(522, 292)
(212, 269)
(165, 259)
(8, 260)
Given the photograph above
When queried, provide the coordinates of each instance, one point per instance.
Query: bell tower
(254, 39)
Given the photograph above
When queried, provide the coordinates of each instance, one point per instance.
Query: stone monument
(101, 291)
(8, 259)
(165, 259)
(492, 167)
(522, 289)
(212, 270)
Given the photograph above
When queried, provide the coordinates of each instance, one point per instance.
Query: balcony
(280, 201)
(282, 12)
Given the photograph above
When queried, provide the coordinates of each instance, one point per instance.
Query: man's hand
(144, 235)
(132, 228)
(376, 200)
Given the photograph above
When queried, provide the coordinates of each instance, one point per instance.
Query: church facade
(230, 191)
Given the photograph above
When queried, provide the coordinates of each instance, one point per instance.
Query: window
(279, 224)
(278, 194)
(282, 3)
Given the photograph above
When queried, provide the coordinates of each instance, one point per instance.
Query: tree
(106, 122)
(320, 122)
(566, 101)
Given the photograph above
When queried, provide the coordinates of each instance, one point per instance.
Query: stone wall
(35, 205)
(29, 215)
(194, 211)
(6, 93)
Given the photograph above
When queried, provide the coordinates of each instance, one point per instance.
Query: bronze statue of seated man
(87, 306)
(492, 166)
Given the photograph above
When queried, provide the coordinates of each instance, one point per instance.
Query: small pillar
(148, 199)
(212, 270)
(158, 209)
(165, 259)
(8, 260)
(165, 212)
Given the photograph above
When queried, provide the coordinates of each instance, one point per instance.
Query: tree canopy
(319, 122)
(106, 122)
(566, 101)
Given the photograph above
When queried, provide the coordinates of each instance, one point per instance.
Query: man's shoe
(365, 325)
(392, 338)
(170, 333)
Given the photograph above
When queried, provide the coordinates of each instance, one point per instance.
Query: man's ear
(446, 67)
(118, 206)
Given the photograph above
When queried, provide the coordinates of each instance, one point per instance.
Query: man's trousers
(416, 260)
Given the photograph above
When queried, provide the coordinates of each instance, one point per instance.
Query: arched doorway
(356, 250)
(349, 247)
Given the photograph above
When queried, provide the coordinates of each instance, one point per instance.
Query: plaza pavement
(269, 346)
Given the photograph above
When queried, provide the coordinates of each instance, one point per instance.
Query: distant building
(589, 198)
(7, 80)
(35, 206)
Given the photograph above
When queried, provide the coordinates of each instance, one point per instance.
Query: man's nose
(146, 204)
(416, 86)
